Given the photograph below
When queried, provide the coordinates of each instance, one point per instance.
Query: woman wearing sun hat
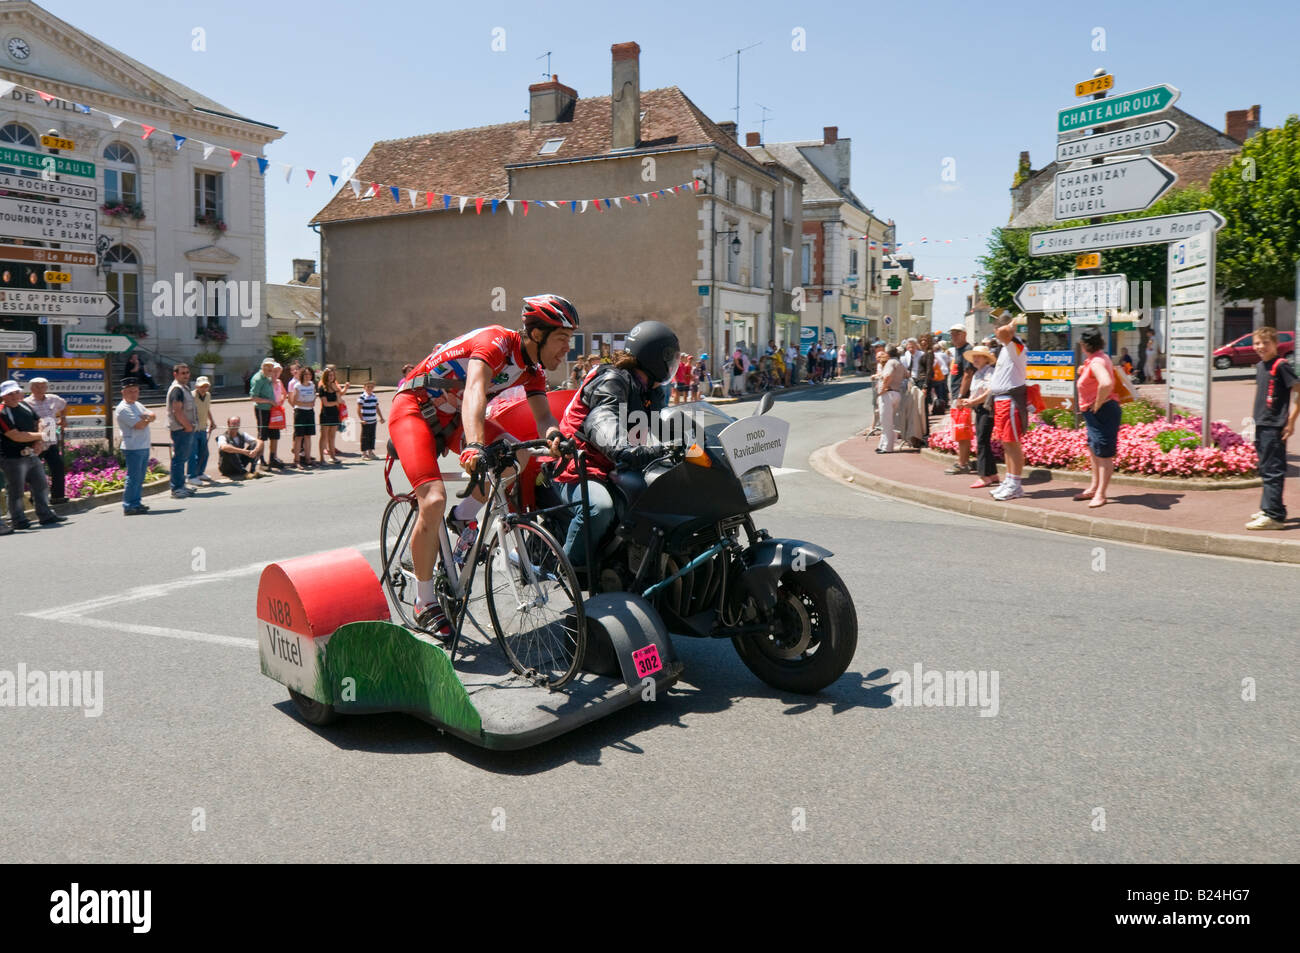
(986, 468)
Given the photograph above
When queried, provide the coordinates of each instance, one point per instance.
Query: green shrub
(1181, 439)
(286, 348)
(1139, 412)
(1058, 417)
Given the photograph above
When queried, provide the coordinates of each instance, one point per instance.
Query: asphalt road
(1119, 698)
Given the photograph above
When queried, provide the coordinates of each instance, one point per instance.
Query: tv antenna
(762, 122)
(547, 54)
(737, 56)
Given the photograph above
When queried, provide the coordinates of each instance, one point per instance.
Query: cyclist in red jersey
(442, 404)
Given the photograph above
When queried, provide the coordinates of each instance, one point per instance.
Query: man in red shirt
(442, 404)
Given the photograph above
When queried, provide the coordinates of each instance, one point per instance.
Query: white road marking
(782, 471)
(78, 613)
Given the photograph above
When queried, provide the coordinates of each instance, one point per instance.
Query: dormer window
(550, 147)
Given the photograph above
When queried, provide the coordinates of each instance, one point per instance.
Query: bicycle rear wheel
(535, 604)
(395, 558)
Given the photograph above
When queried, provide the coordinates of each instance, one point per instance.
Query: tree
(286, 348)
(1259, 195)
(1008, 264)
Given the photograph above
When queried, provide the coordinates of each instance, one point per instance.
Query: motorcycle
(687, 542)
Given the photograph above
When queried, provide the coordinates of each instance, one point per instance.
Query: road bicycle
(531, 590)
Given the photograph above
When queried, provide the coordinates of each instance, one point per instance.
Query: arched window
(16, 134)
(13, 133)
(121, 179)
(122, 281)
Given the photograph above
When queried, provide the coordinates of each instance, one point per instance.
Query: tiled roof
(476, 162)
(816, 188)
(283, 300)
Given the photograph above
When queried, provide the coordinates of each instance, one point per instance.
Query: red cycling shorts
(416, 448)
(1008, 421)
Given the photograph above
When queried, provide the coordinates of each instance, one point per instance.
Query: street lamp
(735, 241)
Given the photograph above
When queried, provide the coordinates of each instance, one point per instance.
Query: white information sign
(754, 442)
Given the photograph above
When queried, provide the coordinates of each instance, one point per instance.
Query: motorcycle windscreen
(755, 442)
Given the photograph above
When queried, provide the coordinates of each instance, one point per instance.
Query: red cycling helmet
(549, 312)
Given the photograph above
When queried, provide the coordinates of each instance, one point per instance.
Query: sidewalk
(1201, 521)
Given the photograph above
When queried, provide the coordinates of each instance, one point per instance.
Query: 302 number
(279, 611)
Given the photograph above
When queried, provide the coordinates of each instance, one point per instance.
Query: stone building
(398, 279)
(177, 217)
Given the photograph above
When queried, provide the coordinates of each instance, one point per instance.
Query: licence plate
(647, 661)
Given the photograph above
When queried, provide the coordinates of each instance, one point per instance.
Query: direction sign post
(1191, 303)
(1122, 185)
(105, 343)
(47, 222)
(1141, 102)
(17, 341)
(1092, 294)
(86, 304)
(1156, 230)
(1121, 140)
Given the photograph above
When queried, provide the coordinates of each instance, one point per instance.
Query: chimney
(830, 135)
(303, 268)
(751, 139)
(728, 127)
(625, 99)
(550, 102)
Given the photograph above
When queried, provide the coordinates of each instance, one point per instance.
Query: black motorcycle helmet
(655, 347)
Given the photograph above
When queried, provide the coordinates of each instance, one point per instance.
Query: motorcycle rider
(442, 404)
(597, 420)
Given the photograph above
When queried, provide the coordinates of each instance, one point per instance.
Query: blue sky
(911, 84)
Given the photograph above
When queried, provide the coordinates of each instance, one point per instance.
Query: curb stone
(829, 463)
(1124, 479)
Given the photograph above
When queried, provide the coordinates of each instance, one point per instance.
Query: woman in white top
(302, 396)
(891, 384)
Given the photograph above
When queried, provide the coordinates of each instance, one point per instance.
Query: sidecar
(324, 631)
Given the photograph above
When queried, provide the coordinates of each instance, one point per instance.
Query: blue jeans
(199, 455)
(1272, 470)
(602, 515)
(137, 462)
(182, 442)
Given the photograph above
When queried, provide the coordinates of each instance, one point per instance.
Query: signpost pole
(1095, 220)
(1209, 338)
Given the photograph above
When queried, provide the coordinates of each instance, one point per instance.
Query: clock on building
(18, 48)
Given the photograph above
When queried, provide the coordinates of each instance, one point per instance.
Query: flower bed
(93, 469)
(1138, 452)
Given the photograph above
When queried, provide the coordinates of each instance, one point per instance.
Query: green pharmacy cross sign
(894, 283)
(24, 159)
(1098, 112)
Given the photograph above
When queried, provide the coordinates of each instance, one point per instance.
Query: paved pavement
(1162, 514)
(1121, 672)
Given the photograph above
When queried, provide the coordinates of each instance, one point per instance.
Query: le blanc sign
(45, 221)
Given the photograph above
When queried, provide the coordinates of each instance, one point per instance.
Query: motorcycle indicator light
(697, 456)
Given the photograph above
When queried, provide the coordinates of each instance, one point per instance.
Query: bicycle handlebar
(499, 456)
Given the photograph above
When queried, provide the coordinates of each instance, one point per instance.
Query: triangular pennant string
(356, 186)
(180, 141)
(413, 197)
(494, 205)
(478, 205)
(618, 203)
(234, 157)
(334, 180)
(446, 200)
(311, 176)
(262, 165)
(45, 96)
(6, 87)
(148, 131)
(510, 206)
(288, 172)
(396, 193)
(525, 208)
(207, 148)
(463, 200)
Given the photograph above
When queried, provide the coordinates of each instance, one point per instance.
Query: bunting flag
(180, 141)
(413, 196)
(446, 201)
(584, 205)
(288, 172)
(6, 87)
(525, 208)
(262, 164)
(600, 206)
(573, 205)
(510, 206)
(618, 203)
(115, 120)
(148, 131)
(334, 180)
(463, 200)
(374, 189)
(428, 200)
(234, 157)
(45, 96)
(311, 175)
(207, 149)
(356, 186)
(396, 193)
(478, 205)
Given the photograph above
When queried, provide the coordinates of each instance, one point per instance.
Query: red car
(1240, 351)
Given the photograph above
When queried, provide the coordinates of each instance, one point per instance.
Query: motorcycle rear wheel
(817, 638)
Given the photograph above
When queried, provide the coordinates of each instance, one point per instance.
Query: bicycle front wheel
(395, 558)
(535, 604)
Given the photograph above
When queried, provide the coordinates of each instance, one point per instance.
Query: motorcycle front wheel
(816, 635)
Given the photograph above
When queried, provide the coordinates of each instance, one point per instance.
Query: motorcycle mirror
(764, 405)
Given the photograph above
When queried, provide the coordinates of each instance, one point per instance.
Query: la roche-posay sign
(755, 442)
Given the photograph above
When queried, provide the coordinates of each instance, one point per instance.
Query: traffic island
(1172, 517)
